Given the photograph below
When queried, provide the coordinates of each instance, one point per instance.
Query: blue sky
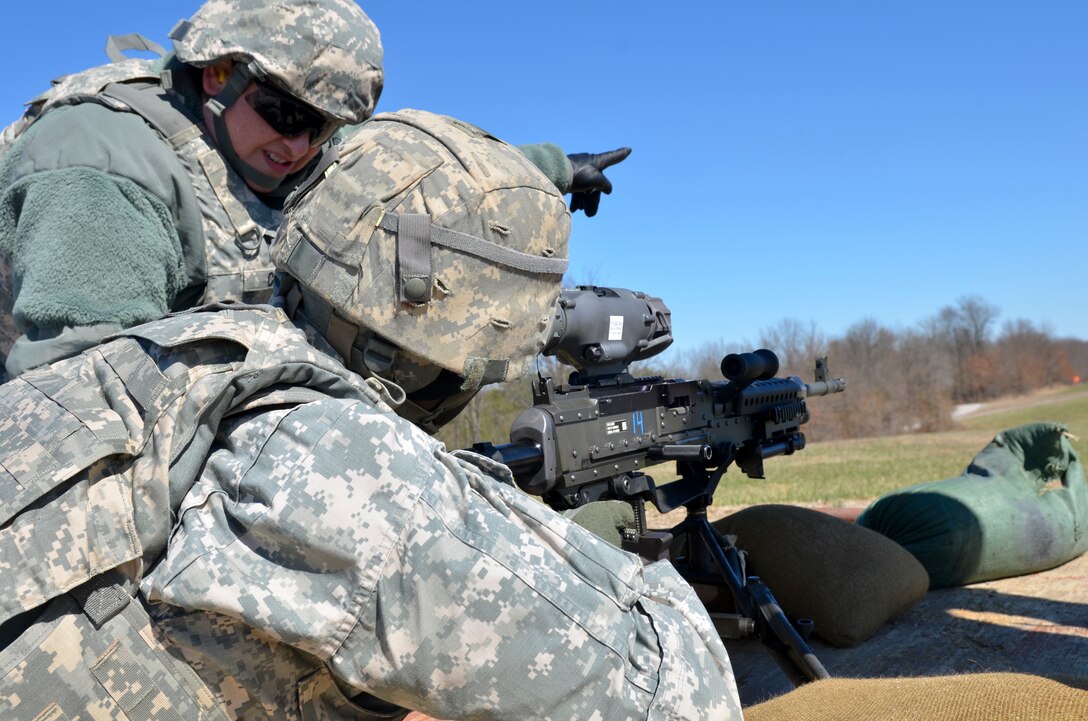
(827, 162)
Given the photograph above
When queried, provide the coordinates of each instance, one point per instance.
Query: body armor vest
(95, 454)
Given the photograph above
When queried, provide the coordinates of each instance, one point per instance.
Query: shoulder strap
(163, 109)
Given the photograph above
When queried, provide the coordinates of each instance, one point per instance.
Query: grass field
(838, 473)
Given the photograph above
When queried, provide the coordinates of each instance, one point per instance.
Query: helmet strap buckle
(378, 355)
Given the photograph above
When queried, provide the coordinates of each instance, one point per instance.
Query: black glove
(588, 181)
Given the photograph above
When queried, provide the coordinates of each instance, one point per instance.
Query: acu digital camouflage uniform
(208, 233)
(305, 551)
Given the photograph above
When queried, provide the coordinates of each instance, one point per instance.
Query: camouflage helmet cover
(325, 52)
(491, 297)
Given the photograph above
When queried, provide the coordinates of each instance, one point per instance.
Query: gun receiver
(592, 438)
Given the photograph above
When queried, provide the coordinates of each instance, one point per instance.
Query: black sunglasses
(290, 117)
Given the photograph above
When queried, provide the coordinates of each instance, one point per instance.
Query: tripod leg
(791, 651)
(754, 599)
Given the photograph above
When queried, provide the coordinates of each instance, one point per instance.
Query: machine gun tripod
(705, 557)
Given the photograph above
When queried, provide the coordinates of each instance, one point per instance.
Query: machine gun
(591, 439)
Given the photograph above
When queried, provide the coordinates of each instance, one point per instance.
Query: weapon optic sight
(601, 331)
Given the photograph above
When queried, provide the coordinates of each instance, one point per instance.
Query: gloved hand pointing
(587, 178)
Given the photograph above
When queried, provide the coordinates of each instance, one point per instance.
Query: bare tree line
(910, 380)
(900, 381)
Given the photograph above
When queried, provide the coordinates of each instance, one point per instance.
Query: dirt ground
(1036, 624)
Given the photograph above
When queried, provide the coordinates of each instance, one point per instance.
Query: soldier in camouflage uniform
(220, 514)
(141, 187)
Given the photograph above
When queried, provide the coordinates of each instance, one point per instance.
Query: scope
(601, 331)
(758, 365)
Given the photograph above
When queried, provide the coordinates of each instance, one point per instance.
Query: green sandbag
(847, 579)
(1020, 507)
(972, 697)
(605, 519)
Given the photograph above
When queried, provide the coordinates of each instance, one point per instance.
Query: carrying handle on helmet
(116, 45)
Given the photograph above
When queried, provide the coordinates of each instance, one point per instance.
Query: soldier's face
(256, 142)
(261, 147)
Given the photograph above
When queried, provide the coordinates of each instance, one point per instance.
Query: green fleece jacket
(104, 230)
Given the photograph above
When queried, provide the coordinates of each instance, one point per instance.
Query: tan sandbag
(847, 579)
(971, 697)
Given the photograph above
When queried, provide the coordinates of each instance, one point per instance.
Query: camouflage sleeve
(413, 575)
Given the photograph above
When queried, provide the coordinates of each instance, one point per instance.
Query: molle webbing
(248, 235)
(101, 598)
(73, 425)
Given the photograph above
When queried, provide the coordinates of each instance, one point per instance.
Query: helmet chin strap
(239, 80)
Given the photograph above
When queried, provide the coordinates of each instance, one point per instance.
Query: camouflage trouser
(103, 656)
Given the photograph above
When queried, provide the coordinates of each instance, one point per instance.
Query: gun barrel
(823, 388)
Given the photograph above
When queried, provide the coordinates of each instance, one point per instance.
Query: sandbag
(1020, 507)
(605, 519)
(847, 579)
(971, 697)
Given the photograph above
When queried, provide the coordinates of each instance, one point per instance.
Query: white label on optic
(615, 327)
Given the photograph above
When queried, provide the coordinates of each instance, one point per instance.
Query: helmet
(429, 254)
(326, 53)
